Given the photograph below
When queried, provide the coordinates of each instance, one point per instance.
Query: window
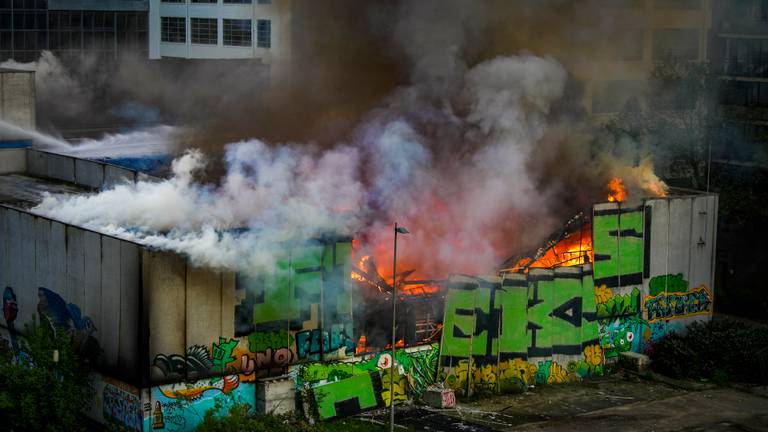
(629, 45)
(264, 1)
(173, 29)
(677, 4)
(204, 1)
(680, 44)
(615, 96)
(205, 31)
(237, 32)
(173, 1)
(264, 33)
(238, 1)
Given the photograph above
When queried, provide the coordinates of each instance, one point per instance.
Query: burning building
(614, 279)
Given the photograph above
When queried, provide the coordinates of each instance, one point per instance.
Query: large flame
(574, 249)
(616, 191)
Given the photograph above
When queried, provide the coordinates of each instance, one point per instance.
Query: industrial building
(171, 332)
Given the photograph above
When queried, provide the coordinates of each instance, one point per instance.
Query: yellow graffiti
(593, 354)
(400, 387)
(517, 368)
(557, 374)
(602, 294)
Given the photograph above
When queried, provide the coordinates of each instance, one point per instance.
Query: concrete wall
(74, 278)
(82, 172)
(17, 101)
(204, 322)
(13, 160)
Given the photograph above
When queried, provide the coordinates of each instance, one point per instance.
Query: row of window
(72, 20)
(223, 1)
(205, 31)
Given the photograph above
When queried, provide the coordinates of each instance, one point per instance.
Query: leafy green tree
(41, 391)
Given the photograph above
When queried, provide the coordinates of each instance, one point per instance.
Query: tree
(40, 390)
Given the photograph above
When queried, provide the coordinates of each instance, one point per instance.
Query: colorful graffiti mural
(350, 396)
(227, 356)
(58, 314)
(415, 370)
(121, 405)
(669, 298)
(309, 293)
(182, 406)
(619, 239)
(517, 374)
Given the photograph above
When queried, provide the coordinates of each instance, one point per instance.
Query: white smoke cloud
(270, 199)
(273, 196)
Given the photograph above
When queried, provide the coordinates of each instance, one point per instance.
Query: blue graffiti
(308, 342)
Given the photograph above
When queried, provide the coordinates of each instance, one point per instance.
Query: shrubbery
(240, 420)
(38, 393)
(717, 350)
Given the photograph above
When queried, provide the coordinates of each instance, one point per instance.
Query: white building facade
(220, 29)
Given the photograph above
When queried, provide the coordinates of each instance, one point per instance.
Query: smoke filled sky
(416, 112)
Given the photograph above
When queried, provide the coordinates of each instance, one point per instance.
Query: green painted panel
(540, 299)
(359, 387)
(513, 302)
(482, 306)
(459, 322)
(589, 325)
(605, 245)
(631, 243)
(277, 296)
(566, 316)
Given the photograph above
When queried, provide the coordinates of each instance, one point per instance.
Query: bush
(240, 420)
(717, 350)
(37, 393)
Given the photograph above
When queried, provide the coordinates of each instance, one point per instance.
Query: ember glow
(616, 191)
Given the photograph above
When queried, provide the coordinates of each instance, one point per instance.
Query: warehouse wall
(76, 279)
(203, 322)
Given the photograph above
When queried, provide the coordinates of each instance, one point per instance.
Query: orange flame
(575, 249)
(616, 191)
(362, 265)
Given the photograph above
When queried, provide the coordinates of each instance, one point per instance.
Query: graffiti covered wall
(346, 388)
(182, 406)
(205, 323)
(520, 329)
(645, 257)
(76, 278)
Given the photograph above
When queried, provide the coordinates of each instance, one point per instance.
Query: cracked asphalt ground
(618, 402)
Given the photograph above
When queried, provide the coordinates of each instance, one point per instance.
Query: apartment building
(220, 29)
(647, 31)
(105, 28)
